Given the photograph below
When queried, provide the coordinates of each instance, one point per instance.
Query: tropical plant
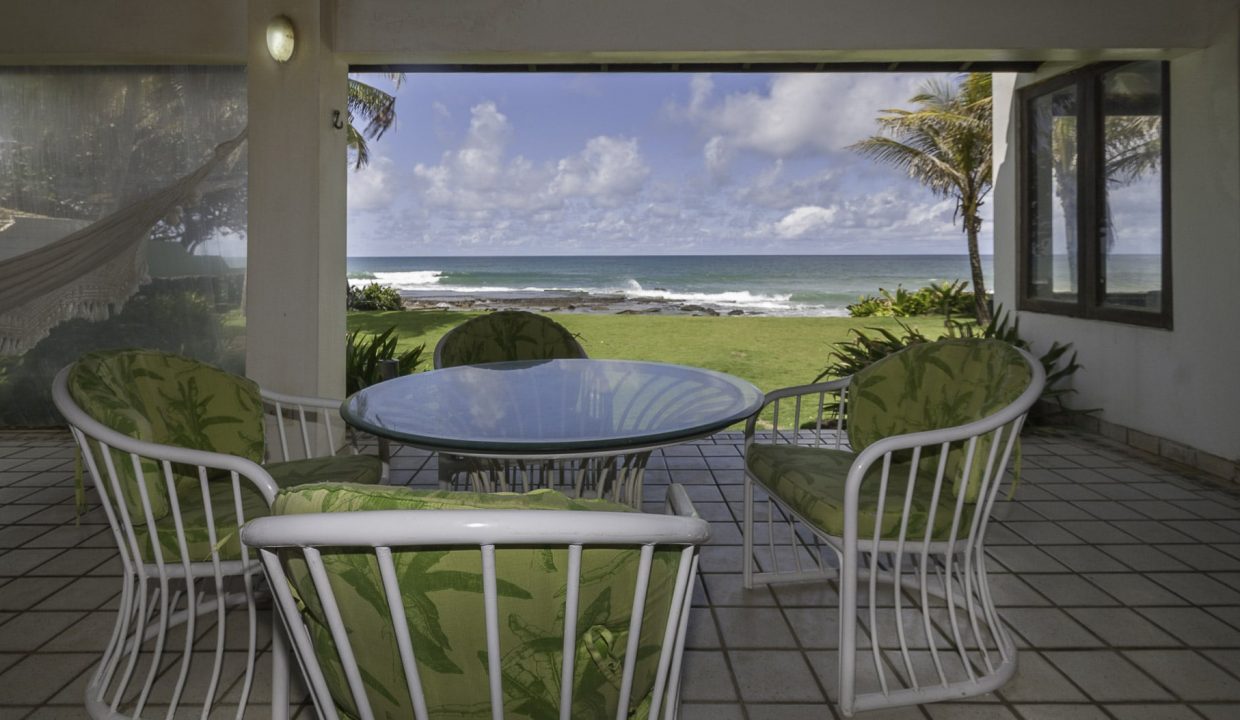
(864, 348)
(946, 298)
(872, 344)
(374, 107)
(373, 296)
(364, 353)
(945, 144)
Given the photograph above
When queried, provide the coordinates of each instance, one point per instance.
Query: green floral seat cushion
(444, 603)
(931, 386)
(506, 335)
(362, 469)
(811, 481)
(168, 399)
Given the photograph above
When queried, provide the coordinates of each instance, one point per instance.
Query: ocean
(765, 284)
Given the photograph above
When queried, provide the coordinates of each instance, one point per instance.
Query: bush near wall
(166, 314)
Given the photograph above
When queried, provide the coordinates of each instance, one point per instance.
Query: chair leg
(747, 534)
(279, 668)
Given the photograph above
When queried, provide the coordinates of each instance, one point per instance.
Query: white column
(295, 314)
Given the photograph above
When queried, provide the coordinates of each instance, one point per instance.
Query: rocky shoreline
(580, 303)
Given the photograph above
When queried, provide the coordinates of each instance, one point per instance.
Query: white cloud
(771, 188)
(718, 155)
(371, 188)
(607, 169)
(803, 220)
(796, 114)
(478, 177)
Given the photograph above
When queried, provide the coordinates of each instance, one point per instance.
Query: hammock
(92, 272)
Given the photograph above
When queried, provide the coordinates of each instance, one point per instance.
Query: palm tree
(945, 144)
(374, 107)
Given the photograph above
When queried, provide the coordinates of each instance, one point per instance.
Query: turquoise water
(770, 284)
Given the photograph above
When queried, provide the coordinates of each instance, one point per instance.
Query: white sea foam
(738, 299)
(429, 282)
(405, 280)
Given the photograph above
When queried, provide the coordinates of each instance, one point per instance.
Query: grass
(770, 352)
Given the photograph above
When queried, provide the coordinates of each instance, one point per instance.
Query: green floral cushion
(363, 469)
(932, 386)
(811, 481)
(167, 399)
(444, 603)
(506, 335)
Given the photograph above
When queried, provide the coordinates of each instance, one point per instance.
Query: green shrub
(867, 347)
(945, 298)
(373, 296)
(364, 351)
(164, 315)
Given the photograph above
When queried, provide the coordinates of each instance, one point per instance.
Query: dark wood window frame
(1090, 211)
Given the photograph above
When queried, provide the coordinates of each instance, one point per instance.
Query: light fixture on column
(280, 38)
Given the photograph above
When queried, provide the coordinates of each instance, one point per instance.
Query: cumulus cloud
(799, 114)
(718, 155)
(371, 187)
(479, 177)
(804, 219)
(888, 219)
(772, 188)
(608, 169)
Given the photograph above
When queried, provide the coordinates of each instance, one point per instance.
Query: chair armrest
(774, 399)
(678, 502)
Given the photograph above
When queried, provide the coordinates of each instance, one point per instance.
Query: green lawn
(770, 352)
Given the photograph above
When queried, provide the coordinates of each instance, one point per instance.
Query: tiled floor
(1120, 577)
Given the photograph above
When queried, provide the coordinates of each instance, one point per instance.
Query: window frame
(1091, 193)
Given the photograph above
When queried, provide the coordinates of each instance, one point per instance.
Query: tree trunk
(972, 223)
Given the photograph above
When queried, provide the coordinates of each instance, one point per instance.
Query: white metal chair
(931, 430)
(506, 335)
(484, 613)
(175, 511)
(310, 420)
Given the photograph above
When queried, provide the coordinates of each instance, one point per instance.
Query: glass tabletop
(545, 407)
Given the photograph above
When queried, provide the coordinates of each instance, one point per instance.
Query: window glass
(1131, 226)
(122, 220)
(1052, 256)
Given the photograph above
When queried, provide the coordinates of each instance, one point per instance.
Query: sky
(642, 164)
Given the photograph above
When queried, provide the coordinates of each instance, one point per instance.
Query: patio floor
(1119, 574)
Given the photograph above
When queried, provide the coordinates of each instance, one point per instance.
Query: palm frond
(376, 109)
(357, 143)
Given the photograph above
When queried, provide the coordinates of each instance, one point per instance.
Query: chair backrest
(480, 612)
(506, 335)
(937, 385)
(158, 397)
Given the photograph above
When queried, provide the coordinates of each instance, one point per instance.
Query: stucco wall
(1182, 384)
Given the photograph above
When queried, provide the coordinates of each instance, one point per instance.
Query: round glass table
(588, 424)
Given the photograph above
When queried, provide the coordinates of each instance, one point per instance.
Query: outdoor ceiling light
(280, 38)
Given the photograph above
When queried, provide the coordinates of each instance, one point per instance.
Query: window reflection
(1132, 226)
(1053, 193)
